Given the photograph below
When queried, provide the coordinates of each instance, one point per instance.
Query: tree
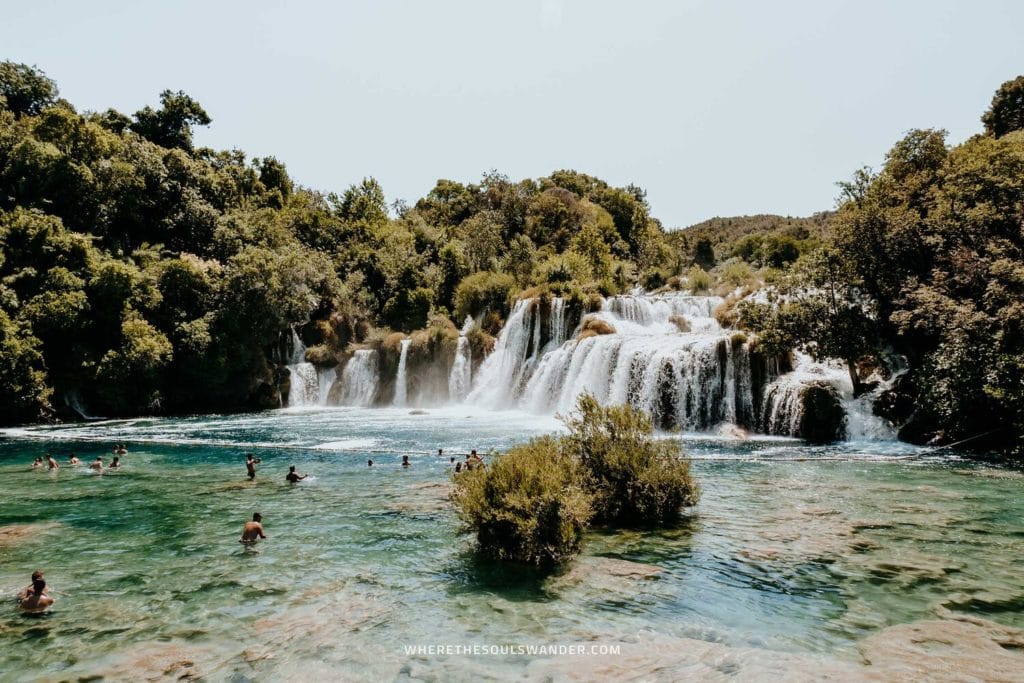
(25, 89)
(704, 254)
(1006, 114)
(364, 203)
(171, 125)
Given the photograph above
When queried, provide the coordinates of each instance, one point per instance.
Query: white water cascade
(359, 379)
(461, 377)
(401, 381)
(309, 384)
(667, 355)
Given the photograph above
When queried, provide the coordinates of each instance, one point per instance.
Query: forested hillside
(142, 274)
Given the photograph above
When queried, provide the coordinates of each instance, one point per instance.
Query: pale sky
(716, 108)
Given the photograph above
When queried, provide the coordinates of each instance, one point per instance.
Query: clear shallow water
(792, 549)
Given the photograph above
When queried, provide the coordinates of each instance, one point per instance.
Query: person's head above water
(257, 517)
(38, 585)
(292, 468)
(369, 463)
(36, 575)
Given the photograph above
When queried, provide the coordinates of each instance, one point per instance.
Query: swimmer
(97, 464)
(252, 532)
(405, 461)
(37, 463)
(38, 602)
(452, 460)
(293, 476)
(73, 460)
(52, 463)
(369, 463)
(458, 467)
(440, 452)
(30, 589)
(115, 463)
(250, 465)
(122, 450)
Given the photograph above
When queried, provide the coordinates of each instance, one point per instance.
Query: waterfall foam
(359, 379)
(401, 381)
(460, 379)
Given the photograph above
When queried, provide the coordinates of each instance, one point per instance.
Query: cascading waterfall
(691, 380)
(663, 353)
(461, 377)
(359, 379)
(401, 381)
(309, 385)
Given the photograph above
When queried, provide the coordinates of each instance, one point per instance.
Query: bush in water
(527, 506)
(533, 504)
(634, 478)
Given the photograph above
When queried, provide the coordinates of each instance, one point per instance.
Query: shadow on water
(474, 573)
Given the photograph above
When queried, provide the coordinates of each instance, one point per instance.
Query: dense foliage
(533, 504)
(926, 260)
(139, 273)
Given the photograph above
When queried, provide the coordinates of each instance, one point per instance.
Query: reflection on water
(796, 556)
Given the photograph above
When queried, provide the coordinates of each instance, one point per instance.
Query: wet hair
(292, 468)
(451, 459)
(36, 575)
(458, 467)
(257, 517)
(38, 585)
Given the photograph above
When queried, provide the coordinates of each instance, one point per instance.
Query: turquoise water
(792, 549)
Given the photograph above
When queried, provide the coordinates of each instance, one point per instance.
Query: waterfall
(401, 381)
(460, 377)
(309, 384)
(359, 379)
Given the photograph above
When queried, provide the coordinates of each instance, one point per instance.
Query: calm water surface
(792, 549)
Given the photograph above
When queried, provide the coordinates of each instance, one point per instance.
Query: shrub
(527, 506)
(634, 478)
(698, 280)
(736, 273)
(593, 327)
(483, 291)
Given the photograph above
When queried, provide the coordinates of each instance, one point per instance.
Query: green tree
(171, 124)
(25, 90)
(1006, 114)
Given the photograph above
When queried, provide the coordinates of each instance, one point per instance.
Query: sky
(716, 108)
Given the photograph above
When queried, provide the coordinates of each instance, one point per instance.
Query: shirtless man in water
(51, 462)
(97, 464)
(250, 465)
(293, 476)
(37, 601)
(253, 531)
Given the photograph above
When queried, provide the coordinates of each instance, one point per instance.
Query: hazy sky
(716, 108)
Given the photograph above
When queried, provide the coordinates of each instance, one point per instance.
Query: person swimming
(115, 463)
(52, 463)
(405, 461)
(121, 450)
(458, 467)
(369, 463)
(73, 460)
(250, 465)
(293, 477)
(37, 463)
(96, 464)
(252, 532)
(37, 601)
(30, 588)
(440, 452)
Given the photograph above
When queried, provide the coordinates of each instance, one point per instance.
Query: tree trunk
(854, 378)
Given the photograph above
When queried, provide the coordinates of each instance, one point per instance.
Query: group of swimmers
(472, 460)
(73, 461)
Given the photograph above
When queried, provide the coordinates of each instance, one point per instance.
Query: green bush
(527, 506)
(634, 478)
(698, 280)
(483, 291)
(533, 504)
